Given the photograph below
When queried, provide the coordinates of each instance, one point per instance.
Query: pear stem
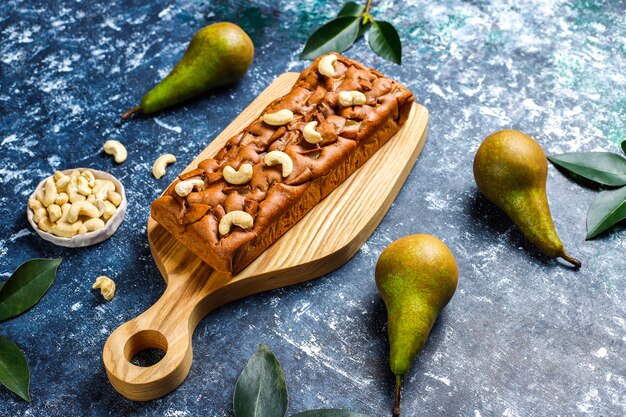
(396, 404)
(130, 112)
(577, 264)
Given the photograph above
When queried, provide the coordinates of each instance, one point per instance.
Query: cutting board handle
(168, 325)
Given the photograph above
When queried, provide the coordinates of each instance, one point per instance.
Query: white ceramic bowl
(91, 238)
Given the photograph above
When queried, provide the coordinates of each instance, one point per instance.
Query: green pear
(511, 169)
(416, 277)
(218, 55)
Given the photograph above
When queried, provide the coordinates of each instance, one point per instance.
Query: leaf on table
(605, 211)
(14, 371)
(602, 167)
(353, 9)
(624, 147)
(335, 36)
(261, 390)
(26, 286)
(329, 413)
(385, 41)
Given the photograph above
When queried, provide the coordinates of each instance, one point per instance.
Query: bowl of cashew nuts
(77, 207)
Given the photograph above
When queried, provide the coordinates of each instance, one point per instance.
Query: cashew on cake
(233, 206)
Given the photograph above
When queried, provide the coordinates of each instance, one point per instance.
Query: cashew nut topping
(115, 148)
(158, 168)
(106, 286)
(236, 218)
(351, 98)
(326, 65)
(280, 118)
(310, 134)
(183, 188)
(278, 157)
(49, 193)
(91, 225)
(241, 176)
(84, 208)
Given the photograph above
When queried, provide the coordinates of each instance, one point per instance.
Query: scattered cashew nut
(310, 134)
(115, 148)
(351, 98)
(280, 118)
(326, 65)
(106, 286)
(278, 157)
(241, 176)
(158, 168)
(236, 218)
(183, 188)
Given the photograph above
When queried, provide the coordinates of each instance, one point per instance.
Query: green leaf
(261, 390)
(602, 167)
(335, 36)
(385, 41)
(329, 413)
(26, 286)
(14, 371)
(624, 147)
(351, 9)
(605, 211)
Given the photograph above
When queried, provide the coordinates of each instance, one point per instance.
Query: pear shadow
(495, 222)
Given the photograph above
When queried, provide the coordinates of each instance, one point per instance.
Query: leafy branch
(352, 21)
(261, 390)
(606, 169)
(24, 288)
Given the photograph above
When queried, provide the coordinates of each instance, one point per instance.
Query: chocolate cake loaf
(233, 206)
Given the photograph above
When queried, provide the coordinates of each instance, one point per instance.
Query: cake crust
(350, 135)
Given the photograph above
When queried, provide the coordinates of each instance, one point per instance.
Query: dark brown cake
(350, 134)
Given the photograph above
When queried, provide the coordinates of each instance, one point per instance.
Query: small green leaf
(329, 413)
(605, 211)
(602, 167)
(26, 286)
(385, 41)
(335, 36)
(261, 390)
(351, 9)
(624, 147)
(14, 371)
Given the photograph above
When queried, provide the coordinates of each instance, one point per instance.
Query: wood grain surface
(327, 237)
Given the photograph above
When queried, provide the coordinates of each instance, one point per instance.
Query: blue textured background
(524, 335)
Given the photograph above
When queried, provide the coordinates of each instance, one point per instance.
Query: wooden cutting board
(326, 238)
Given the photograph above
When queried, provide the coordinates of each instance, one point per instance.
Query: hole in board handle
(145, 348)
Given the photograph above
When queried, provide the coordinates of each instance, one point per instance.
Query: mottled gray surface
(524, 335)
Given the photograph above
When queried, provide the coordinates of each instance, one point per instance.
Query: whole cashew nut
(102, 188)
(115, 198)
(62, 182)
(280, 118)
(82, 185)
(236, 218)
(49, 193)
(106, 286)
(54, 212)
(278, 157)
(45, 224)
(90, 178)
(310, 134)
(241, 176)
(183, 188)
(158, 168)
(326, 65)
(351, 98)
(84, 208)
(61, 199)
(115, 148)
(106, 207)
(91, 225)
(73, 194)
